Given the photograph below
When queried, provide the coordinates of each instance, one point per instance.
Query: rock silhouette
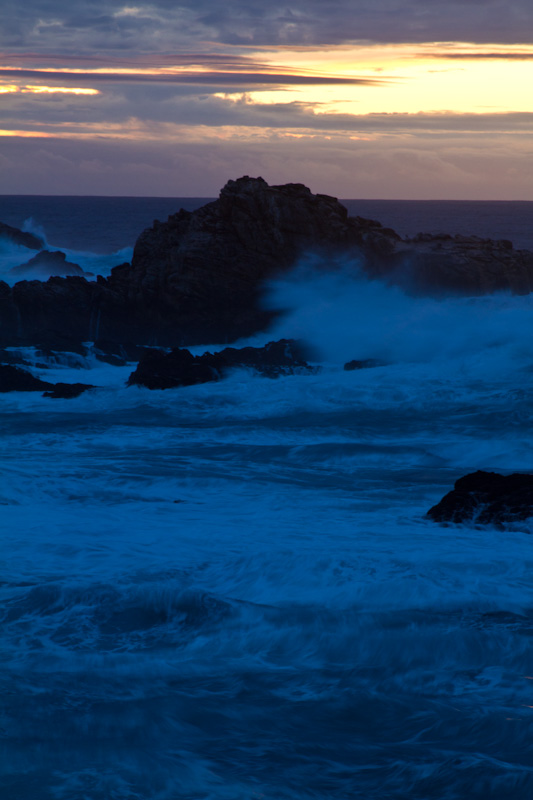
(487, 498)
(45, 264)
(160, 370)
(198, 278)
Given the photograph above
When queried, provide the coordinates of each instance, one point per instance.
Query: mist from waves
(343, 315)
(230, 591)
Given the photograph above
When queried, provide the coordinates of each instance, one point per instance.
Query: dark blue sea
(231, 591)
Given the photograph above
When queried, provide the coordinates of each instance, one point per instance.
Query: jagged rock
(14, 379)
(487, 498)
(209, 265)
(198, 278)
(46, 264)
(19, 237)
(160, 370)
(67, 391)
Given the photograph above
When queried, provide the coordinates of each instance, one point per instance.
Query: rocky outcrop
(210, 264)
(16, 236)
(466, 265)
(198, 277)
(487, 498)
(160, 370)
(46, 264)
(14, 379)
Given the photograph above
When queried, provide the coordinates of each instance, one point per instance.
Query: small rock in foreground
(487, 498)
(66, 391)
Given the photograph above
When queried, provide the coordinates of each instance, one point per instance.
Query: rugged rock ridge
(197, 277)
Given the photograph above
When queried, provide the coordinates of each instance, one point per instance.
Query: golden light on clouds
(30, 89)
(392, 84)
(452, 77)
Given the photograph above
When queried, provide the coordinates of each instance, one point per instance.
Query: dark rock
(437, 264)
(366, 363)
(52, 342)
(117, 354)
(67, 390)
(487, 498)
(14, 379)
(160, 370)
(198, 277)
(46, 264)
(204, 270)
(19, 237)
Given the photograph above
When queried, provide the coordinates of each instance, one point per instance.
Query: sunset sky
(356, 98)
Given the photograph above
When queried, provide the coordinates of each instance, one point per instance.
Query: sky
(408, 99)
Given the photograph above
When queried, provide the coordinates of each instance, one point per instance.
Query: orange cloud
(30, 89)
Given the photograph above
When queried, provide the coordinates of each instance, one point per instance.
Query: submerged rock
(45, 265)
(19, 237)
(160, 370)
(487, 498)
(66, 391)
(366, 363)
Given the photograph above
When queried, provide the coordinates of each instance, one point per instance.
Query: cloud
(485, 55)
(396, 166)
(193, 91)
(152, 106)
(203, 78)
(164, 25)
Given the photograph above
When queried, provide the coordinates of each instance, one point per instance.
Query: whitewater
(231, 591)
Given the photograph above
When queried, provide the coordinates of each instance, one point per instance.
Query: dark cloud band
(196, 78)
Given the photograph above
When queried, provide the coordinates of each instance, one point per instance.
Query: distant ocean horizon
(106, 225)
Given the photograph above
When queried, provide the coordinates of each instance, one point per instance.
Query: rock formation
(46, 264)
(198, 277)
(487, 498)
(14, 379)
(16, 236)
(160, 370)
(466, 265)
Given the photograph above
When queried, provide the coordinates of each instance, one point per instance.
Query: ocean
(231, 591)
